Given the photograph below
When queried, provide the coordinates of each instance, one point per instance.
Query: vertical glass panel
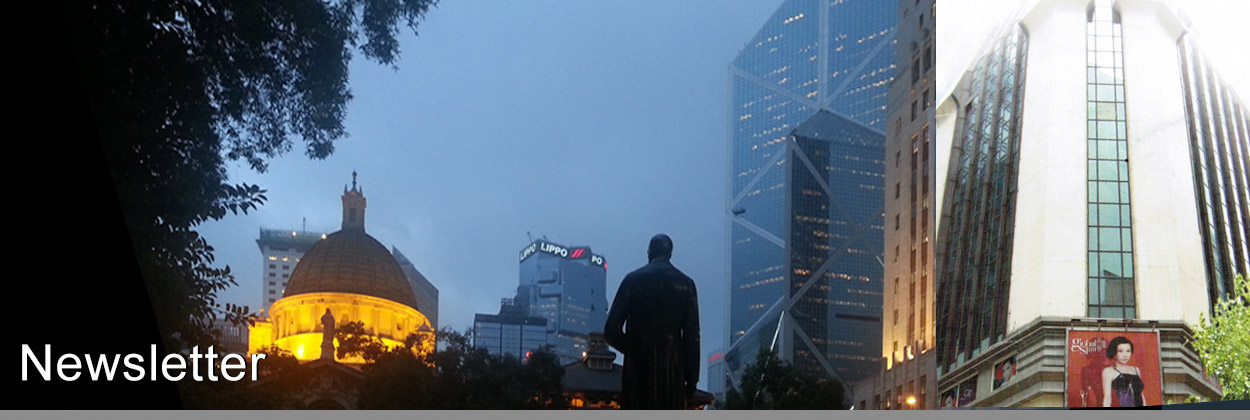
(1107, 171)
(1093, 232)
(1109, 239)
(1093, 110)
(1119, 112)
(1128, 265)
(1115, 292)
(1093, 96)
(1126, 239)
(1124, 197)
(1092, 188)
(1105, 76)
(1093, 221)
(1121, 150)
(1109, 214)
(1130, 312)
(1109, 263)
(1103, 43)
(1106, 129)
(1113, 312)
(1106, 111)
(1093, 150)
(1121, 130)
(1093, 298)
(1106, 93)
(1108, 192)
(1107, 149)
(1093, 262)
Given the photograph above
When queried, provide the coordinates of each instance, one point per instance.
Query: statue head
(661, 247)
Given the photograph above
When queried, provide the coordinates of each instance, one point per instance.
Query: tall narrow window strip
(1110, 236)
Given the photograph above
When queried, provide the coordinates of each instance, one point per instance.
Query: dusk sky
(595, 124)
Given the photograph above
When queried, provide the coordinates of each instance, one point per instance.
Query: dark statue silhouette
(659, 309)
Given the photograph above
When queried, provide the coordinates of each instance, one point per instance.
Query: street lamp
(911, 402)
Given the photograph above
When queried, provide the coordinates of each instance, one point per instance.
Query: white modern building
(280, 250)
(1095, 179)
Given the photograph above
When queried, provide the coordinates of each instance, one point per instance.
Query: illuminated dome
(351, 261)
(357, 279)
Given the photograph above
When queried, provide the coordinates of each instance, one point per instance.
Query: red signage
(1113, 369)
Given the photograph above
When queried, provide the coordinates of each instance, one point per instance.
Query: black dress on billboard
(1127, 388)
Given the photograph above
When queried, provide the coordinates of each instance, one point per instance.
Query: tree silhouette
(179, 87)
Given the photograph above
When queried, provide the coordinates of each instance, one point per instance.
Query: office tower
(280, 250)
(565, 286)
(427, 294)
(805, 207)
(908, 375)
(1095, 192)
(510, 332)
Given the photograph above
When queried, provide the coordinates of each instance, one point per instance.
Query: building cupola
(353, 206)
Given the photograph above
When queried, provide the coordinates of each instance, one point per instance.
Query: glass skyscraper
(566, 286)
(808, 98)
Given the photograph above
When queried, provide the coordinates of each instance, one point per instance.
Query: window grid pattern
(811, 55)
(974, 277)
(1110, 234)
(1217, 123)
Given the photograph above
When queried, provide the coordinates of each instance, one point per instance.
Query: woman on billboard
(1122, 379)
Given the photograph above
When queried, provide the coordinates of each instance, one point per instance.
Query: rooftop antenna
(303, 224)
(527, 234)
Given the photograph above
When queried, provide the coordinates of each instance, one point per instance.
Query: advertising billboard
(1004, 371)
(968, 392)
(1113, 369)
(948, 398)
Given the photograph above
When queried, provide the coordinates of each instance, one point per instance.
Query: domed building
(353, 276)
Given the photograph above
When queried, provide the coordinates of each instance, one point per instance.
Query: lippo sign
(562, 252)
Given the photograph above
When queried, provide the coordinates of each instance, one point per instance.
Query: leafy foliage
(1224, 339)
(468, 377)
(285, 379)
(457, 376)
(772, 384)
(179, 87)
